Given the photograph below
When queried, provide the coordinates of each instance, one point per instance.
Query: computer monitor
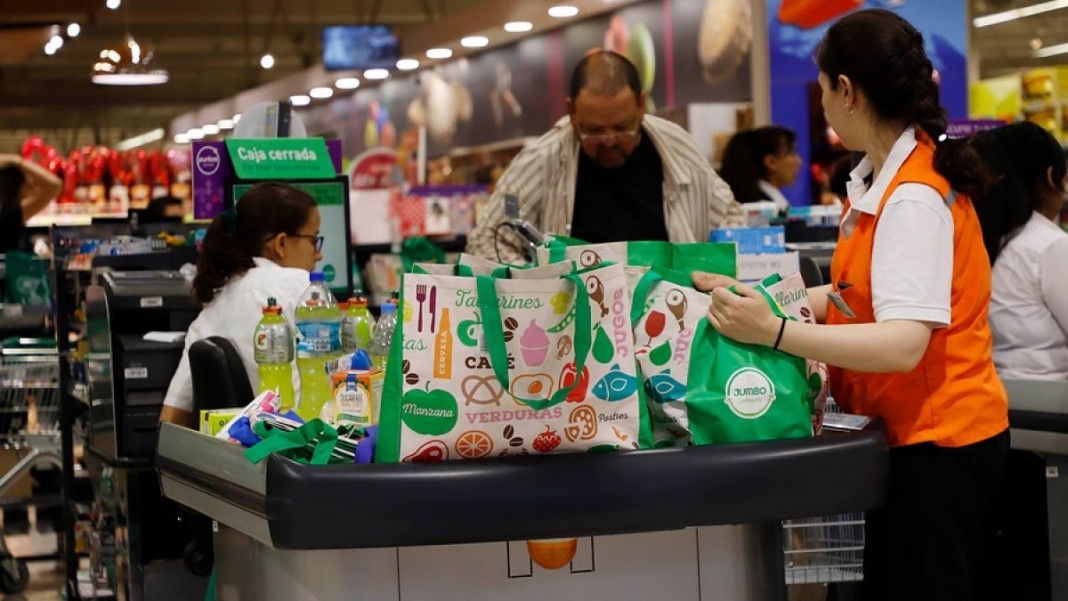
(332, 197)
(359, 47)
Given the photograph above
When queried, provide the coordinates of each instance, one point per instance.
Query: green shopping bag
(748, 392)
(312, 443)
(704, 388)
(713, 257)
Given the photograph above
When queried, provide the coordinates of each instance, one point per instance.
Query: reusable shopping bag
(704, 388)
(312, 443)
(791, 294)
(514, 362)
(703, 256)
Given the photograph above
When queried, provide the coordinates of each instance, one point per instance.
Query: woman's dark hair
(883, 55)
(11, 180)
(743, 159)
(238, 235)
(1020, 157)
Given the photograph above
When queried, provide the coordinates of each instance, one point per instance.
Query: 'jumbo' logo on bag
(749, 393)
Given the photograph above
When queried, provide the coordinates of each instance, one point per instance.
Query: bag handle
(645, 286)
(316, 434)
(493, 330)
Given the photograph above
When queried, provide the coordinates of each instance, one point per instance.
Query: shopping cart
(824, 550)
(29, 426)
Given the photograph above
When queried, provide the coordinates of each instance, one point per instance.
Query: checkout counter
(1036, 517)
(700, 523)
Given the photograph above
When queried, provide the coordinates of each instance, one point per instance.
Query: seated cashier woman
(263, 248)
(758, 163)
(1028, 250)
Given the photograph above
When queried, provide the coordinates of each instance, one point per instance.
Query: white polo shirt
(233, 314)
(1029, 304)
(912, 258)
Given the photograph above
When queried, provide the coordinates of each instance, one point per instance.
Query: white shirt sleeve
(912, 258)
(1054, 284)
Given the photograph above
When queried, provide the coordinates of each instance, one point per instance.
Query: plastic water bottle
(273, 350)
(356, 326)
(387, 322)
(319, 328)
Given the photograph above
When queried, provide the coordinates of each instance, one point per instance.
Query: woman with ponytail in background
(264, 247)
(908, 339)
(1028, 250)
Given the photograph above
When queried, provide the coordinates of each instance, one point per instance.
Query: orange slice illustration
(473, 444)
(552, 553)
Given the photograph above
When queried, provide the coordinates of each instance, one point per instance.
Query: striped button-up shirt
(543, 176)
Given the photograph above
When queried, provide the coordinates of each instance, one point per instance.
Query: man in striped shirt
(608, 172)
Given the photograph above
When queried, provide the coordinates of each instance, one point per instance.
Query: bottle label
(318, 337)
(272, 345)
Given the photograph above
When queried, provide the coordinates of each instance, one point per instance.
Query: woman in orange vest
(905, 317)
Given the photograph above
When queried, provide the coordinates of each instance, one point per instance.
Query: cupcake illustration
(534, 344)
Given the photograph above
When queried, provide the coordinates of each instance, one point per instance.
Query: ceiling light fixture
(407, 64)
(73, 30)
(321, 92)
(210, 129)
(347, 83)
(267, 61)
(1053, 50)
(195, 133)
(225, 123)
(127, 64)
(518, 26)
(114, 4)
(376, 74)
(474, 41)
(142, 139)
(49, 49)
(300, 100)
(237, 117)
(181, 139)
(563, 11)
(439, 53)
(1019, 13)
(57, 41)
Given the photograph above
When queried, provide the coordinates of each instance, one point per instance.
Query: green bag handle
(645, 286)
(493, 330)
(320, 436)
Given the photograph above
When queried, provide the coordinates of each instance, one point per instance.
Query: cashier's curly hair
(883, 55)
(238, 235)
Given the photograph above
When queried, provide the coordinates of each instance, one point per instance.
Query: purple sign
(213, 174)
(963, 128)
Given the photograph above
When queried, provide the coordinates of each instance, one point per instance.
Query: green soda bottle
(273, 350)
(356, 326)
(319, 325)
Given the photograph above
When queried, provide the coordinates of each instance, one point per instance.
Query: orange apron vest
(953, 397)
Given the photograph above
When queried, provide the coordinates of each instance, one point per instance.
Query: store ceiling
(211, 49)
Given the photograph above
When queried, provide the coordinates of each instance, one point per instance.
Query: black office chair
(219, 377)
(219, 382)
(810, 271)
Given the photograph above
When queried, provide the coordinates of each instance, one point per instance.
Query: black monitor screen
(359, 47)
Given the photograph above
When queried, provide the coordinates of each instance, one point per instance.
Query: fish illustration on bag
(616, 385)
(663, 388)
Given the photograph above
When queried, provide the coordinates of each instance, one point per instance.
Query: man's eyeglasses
(610, 135)
(316, 240)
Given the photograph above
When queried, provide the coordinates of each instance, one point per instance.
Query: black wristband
(778, 339)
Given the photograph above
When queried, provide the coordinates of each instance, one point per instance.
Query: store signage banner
(795, 28)
(280, 158)
(213, 173)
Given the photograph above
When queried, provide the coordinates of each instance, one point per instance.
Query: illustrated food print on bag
(663, 339)
(455, 405)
